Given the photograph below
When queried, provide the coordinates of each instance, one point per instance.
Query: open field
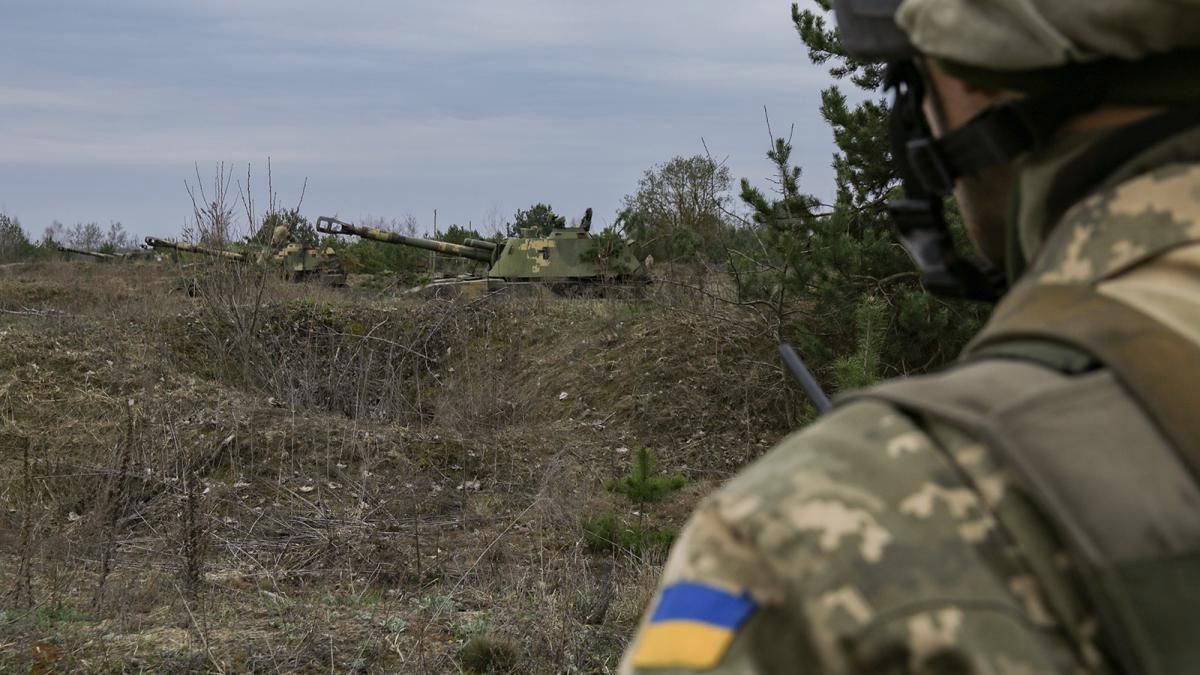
(284, 478)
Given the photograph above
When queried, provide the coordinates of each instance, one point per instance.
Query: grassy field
(263, 477)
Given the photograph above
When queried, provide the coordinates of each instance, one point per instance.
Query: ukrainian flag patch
(692, 626)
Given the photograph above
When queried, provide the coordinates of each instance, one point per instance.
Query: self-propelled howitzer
(566, 260)
(295, 261)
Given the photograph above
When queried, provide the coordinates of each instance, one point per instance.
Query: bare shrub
(213, 209)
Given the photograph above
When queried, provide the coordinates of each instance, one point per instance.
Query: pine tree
(820, 268)
(643, 483)
(14, 244)
(540, 218)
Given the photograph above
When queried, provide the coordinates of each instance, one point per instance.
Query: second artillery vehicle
(566, 261)
(298, 263)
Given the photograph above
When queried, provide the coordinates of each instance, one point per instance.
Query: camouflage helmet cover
(1018, 35)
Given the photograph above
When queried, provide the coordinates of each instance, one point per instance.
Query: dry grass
(279, 478)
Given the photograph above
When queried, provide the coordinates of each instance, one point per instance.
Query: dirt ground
(209, 470)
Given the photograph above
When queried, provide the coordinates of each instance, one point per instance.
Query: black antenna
(807, 382)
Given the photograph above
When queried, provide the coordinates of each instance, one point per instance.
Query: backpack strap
(1159, 367)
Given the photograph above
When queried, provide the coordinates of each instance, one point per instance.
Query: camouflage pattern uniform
(882, 541)
(280, 236)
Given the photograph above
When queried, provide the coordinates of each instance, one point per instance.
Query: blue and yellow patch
(692, 626)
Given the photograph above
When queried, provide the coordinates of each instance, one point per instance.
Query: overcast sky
(389, 107)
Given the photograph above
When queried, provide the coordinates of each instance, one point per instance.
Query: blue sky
(389, 108)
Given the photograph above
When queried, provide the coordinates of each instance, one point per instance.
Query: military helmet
(1018, 34)
(1029, 45)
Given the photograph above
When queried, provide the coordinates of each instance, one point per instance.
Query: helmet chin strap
(929, 168)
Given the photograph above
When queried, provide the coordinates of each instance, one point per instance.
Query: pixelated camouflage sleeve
(855, 546)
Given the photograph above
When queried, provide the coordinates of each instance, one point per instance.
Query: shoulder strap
(1158, 367)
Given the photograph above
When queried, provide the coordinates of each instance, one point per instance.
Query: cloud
(551, 100)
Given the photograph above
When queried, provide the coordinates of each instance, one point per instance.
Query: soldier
(281, 235)
(1035, 508)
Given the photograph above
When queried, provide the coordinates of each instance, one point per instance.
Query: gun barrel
(155, 242)
(94, 254)
(480, 244)
(334, 226)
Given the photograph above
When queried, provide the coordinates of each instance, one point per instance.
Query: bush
(604, 532)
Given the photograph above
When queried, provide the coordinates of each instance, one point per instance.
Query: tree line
(16, 245)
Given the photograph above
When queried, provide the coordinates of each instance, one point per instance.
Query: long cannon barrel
(155, 242)
(334, 226)
(480, 244)
(94, 254)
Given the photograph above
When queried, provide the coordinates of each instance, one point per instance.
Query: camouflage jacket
(877, 541)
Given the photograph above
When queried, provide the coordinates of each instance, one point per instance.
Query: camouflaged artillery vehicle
(567, 261)
(297, 262)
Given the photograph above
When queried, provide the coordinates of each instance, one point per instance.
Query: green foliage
(45, 616)
(299, 229)
(394, 625)
(366, 599)
(677, 212)
(601, 532)
(604, 532)
(643, 483)
(781, 270)
(541, 218)
(861, 368)
(488, 654)
(364, 256)
(474, 626)
(457, 234)
(818, 265)
(606, 251)
(14, 245)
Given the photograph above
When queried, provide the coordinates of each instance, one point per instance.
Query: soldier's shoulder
(864, 525)
(856, 488)
(1121, 225)
(858, 444)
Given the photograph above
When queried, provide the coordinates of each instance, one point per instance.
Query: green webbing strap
(1053, 355)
